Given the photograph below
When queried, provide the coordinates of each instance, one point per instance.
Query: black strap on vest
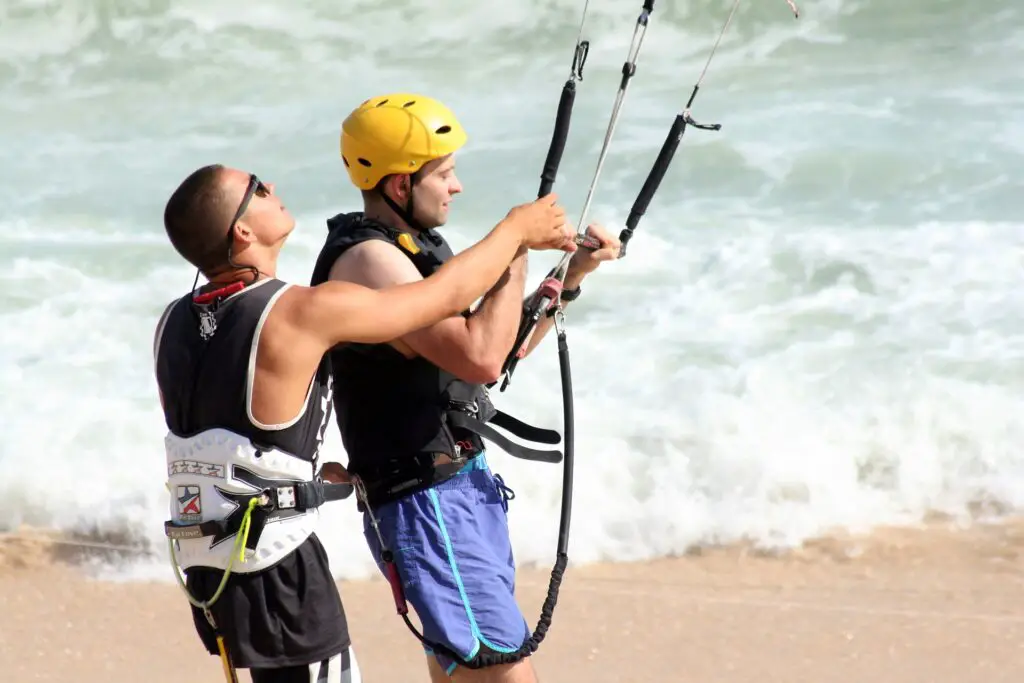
(277, 498)
(425, 261)
(394, 480)
(511, 424)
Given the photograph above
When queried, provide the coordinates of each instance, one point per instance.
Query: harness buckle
(470, 408)
(286, 499)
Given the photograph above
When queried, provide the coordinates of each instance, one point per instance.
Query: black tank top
(205, 379)
(205, 361)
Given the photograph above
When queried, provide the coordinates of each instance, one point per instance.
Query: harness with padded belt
(272, 499)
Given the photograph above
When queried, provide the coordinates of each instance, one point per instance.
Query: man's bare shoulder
(374, 263)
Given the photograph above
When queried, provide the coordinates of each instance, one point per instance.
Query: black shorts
(289, 615)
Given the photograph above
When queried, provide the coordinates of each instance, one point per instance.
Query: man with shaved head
(245, 387)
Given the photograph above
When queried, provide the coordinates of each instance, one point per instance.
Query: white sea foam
(817, 325)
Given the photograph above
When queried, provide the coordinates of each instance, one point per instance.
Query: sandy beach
(934, 605)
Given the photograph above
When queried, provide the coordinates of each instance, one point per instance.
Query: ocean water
(818, 325)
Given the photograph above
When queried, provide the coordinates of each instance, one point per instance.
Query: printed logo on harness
(190, 504)
(207, 324)
(204, 469)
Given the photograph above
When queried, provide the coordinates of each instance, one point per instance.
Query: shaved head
(197, 218)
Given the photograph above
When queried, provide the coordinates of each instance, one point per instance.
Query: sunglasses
(255, 188)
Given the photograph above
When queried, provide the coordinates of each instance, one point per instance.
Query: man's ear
(401, 186)
(243, 232)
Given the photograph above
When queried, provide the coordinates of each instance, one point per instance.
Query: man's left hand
(585, 261)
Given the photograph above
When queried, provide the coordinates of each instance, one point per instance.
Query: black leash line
(549, 291)
(675, 134)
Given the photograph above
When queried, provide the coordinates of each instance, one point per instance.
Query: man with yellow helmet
(412, 412)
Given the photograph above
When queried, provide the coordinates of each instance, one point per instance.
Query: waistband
(414, 479)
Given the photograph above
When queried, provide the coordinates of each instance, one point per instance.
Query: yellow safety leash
(240, 541)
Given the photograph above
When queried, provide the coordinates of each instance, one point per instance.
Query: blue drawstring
(507, 494)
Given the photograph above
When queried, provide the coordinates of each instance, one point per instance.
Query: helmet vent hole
(409, 103)
(346, 161)
(382, 103)
(364, 162)
(443, 129)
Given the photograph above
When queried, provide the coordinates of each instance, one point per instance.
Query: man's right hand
(542, 224)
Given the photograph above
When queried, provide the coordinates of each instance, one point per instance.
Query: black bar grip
(558, 138)
(654, 178)
(527, 322)
(649, 6)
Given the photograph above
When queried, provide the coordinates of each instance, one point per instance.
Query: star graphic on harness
(233, 521)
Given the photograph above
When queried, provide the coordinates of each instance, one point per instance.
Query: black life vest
(395, 414)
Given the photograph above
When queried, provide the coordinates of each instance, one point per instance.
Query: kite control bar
(675, 134)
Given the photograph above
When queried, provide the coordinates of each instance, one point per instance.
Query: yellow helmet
(396, 133)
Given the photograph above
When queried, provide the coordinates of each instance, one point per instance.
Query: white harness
(211, 477)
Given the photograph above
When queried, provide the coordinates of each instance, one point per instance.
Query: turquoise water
(818, 324)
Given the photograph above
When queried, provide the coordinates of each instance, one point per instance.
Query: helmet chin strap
(406, 212)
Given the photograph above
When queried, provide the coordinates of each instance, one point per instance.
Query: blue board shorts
(453, 553)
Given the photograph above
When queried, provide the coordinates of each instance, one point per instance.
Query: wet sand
(899, 606)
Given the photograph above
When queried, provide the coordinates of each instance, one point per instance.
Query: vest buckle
(470, 408)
